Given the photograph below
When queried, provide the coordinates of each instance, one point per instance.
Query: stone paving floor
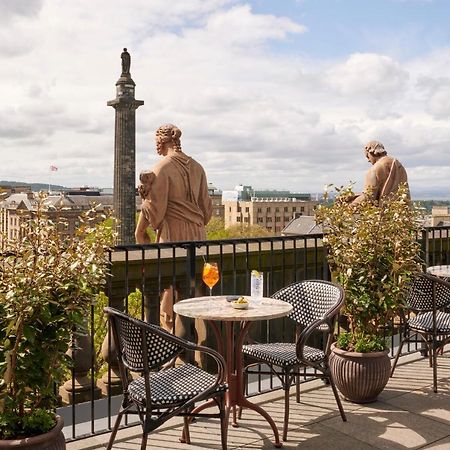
(407, 415)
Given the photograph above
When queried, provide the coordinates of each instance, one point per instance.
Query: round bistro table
(217, 309)
(440, 271)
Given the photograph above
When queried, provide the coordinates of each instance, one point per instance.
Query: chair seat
(174, 385)
(424, 322)
(282, 354)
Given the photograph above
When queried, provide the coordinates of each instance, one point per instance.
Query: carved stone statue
(126, 62)
(176, 203)
(385, 175)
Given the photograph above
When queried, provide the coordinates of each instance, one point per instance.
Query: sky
(276, 94)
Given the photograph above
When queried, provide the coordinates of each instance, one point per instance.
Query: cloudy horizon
(277, 95)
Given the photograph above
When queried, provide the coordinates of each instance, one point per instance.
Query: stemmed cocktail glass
(210, 275)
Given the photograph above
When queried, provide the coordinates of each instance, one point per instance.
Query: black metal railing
(150, 270)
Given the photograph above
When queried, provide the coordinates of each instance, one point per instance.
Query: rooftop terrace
(407, 415)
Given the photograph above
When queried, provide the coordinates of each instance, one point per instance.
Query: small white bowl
(236, 305)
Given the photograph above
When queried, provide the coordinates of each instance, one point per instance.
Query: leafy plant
(373, 251)
(216, 230)
(48, 282)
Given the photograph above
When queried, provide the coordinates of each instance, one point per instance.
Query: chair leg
(398, 354)
(297, 388)
(224, 417)
(114, 431)
(434, 352)
(144, 440)
(338, 399)
(286, 387)
(186, 433)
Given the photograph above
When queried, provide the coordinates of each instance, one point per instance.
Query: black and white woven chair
(428, 299)
(316, 305)
(159, 394)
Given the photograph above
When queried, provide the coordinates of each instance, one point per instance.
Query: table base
(235, 397)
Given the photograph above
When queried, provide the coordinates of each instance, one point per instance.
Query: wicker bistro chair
(316, 305)
(161, 393)
(429, 300)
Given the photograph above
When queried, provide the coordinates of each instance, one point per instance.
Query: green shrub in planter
(48, 282)
(373, 251)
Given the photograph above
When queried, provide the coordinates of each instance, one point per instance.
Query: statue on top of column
(126, 62)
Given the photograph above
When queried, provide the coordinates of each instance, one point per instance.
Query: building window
(260, 219)
(238, 219)
(268, 209)
(277, 219)
(229, 208)
(238, 209)
(245, 219)
(277, 209)
(247, 209)
(302, 209)
(259, 210)
(287, 218)
(286, 209)
(269, 219)
(294, 208)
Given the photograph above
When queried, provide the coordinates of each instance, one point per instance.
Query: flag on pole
(53, 168)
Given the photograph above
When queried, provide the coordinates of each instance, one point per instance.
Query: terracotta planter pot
(53, 440)
(360, 376)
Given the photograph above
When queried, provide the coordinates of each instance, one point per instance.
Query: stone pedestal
(110, 383)
(80, 389)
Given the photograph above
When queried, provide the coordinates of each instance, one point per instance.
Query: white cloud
(367, 75)
(248, 113)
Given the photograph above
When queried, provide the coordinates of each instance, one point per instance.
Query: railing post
(190, 269)
(425, 247)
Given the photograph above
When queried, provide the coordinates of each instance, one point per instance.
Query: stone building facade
(21, 207)
(271, 213)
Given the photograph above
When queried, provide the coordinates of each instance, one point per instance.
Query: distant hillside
(34, 186)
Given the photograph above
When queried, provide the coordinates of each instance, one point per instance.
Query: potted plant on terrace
(48, 281)
(372, 252)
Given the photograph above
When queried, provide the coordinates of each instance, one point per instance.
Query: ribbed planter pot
(52, 440)
(360, 376)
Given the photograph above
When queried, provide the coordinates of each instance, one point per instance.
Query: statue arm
(141, 230)
(371, 187)
(154, 207)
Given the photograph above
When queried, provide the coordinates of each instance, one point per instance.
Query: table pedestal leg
(235, 397)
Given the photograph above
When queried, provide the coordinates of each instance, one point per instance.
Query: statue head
(167, 134)
(375, 149)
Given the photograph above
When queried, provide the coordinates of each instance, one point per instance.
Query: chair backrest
(130, 333)
(420, 293)
(312, 300)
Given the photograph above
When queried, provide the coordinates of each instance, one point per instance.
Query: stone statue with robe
(176, 203)
(126, 62)
(385, 175)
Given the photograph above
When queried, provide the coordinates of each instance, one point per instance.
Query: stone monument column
(125, 154)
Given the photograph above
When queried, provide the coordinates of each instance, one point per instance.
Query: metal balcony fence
(147, 271)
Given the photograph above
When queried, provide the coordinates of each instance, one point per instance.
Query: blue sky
(338, 27)
(272, 93)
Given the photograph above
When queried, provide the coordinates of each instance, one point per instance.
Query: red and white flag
(53, 168)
